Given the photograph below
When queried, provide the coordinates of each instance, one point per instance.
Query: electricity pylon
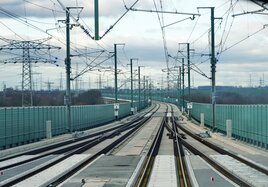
(29, 56)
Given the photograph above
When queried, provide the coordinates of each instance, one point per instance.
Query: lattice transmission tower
(30, 50)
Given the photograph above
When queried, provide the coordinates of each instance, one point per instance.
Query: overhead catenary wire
(161, 23)
(16, 34)
(83, 28)
(223, 40)
(238, 42)
(112, 26)
(40, 6)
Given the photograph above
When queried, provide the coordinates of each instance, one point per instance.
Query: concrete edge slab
(81, 170)
(190, 171)
(29, 171)
(136, 172)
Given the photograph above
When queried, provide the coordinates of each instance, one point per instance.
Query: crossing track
(70, 148)
(197, 151)
(178, 151)
(222, 151)
(147, 168)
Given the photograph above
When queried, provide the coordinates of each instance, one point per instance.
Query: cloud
(26, 9)
(48, 9)
(142, 35)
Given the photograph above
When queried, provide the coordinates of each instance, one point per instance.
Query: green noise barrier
(249, 122)
(22, 125)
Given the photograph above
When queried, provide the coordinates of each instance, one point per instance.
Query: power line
(40, 6)
(112, 26)
(11, 30)
(249, 36)
(27, 60)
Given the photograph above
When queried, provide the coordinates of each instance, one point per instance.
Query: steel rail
(213, 163)
(179, 152)
(143, 179)
(222, 151)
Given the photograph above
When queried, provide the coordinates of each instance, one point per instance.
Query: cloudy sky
(241, 41)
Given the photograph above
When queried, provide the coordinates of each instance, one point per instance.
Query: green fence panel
(54, 118)
(124, 110)
(255, 127)
(26, 125)
(31, 131)
(248, 122)
(8, 127)
(266, 126)
(2, 127)
(242, 122)
(259, 125)
(44, 118)
(262, 128)
(239, 121)
(250, 126)
(38, 123)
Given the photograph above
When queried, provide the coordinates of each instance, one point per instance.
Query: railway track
(68, 149)
(150, 172)
(184, 180)
(166, 145)
(181, 163)
(144, 175)
(219, 151)
(184, 139)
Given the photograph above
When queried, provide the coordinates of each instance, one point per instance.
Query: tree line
(10, 97)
